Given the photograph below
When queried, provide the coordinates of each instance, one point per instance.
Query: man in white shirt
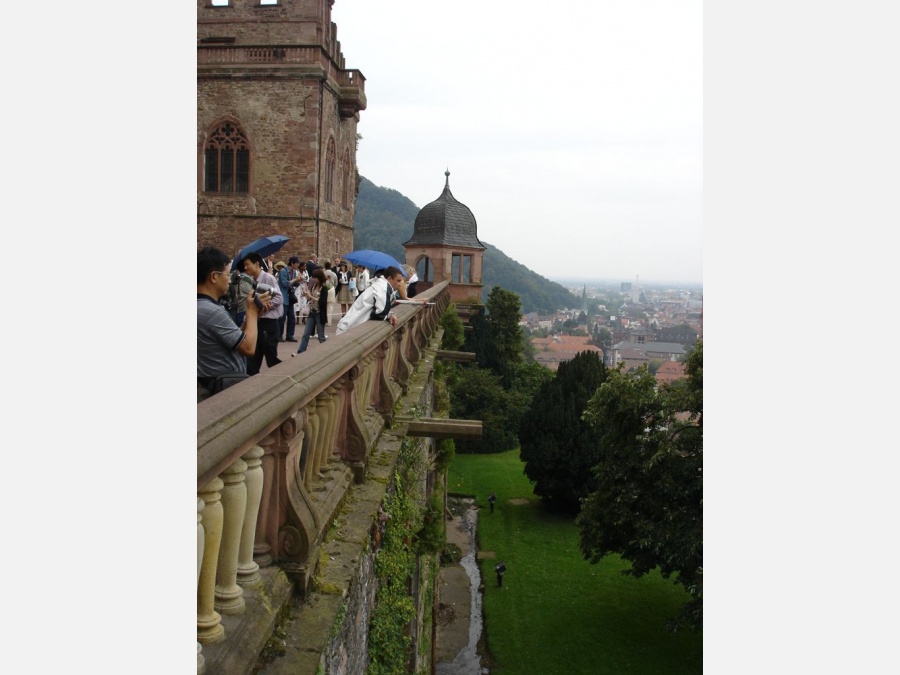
(374, 303)
(267, 342)
(362, 278)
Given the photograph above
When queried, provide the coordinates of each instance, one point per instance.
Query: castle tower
(445, 246)
(277, 113)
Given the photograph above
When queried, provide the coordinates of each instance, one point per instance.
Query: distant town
(627, 323)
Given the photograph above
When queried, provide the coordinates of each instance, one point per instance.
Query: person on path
(500, 569)
(331, 283)
(343, 288)
(222, 346)
(287, 281)
(267, 340)
(317, 294)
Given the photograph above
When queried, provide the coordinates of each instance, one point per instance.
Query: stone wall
(347, 649)
(334, 618)
(288, 104)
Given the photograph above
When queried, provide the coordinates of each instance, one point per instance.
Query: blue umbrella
(374, 260)
(265, 246)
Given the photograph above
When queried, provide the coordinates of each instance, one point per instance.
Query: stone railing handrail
(237, 418)
(277, 453)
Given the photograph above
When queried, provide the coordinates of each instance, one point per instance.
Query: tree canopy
(648, 502)
(499, 388)
(499, 340)
(558, 447)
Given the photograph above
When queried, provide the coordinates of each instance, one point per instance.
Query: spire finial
(447, 174)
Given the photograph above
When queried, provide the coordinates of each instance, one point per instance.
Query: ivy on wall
(415, 527)
(389, 642)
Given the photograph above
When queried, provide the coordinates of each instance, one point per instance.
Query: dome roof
(445, 221)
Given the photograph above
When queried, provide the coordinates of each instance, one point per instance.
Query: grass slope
(556, 613)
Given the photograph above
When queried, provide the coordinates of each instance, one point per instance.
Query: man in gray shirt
(222, 347)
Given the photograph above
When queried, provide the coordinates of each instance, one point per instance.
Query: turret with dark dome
(445, 222)
(445, 247)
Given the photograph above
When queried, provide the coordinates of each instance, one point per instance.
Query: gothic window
(329, 171)
(227, 160)
(345, 178)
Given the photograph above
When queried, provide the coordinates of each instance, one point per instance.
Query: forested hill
(385, 218)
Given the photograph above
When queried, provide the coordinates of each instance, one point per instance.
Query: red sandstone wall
(304, 22)
(280, 116)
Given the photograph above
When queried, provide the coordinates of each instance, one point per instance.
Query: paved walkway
(285, 349)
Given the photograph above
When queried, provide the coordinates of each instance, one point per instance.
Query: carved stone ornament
(292, 541)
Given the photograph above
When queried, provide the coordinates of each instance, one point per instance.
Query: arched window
(329, 171)
(227, 160)
(425, 269)
(345, 177)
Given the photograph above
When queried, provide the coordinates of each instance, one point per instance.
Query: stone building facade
(277, 115)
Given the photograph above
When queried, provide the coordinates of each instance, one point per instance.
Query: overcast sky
(573, 131)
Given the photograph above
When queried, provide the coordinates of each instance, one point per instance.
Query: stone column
(248, 569)
(331, 433)
(262, 548)
(201, 662)
(230, 596)
(312, 464)
(323, 449)
(209, 626)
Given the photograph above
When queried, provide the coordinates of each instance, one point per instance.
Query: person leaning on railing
(222, 347)
(375, 302)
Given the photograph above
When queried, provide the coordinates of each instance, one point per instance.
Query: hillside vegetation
(384, 220)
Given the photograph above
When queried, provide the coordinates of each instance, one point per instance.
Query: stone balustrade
(277, 453)
(213, 55)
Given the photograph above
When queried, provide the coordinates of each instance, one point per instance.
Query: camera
(258, 289)
(244, 282)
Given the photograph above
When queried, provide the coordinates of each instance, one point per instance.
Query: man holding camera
(267, 344)
(222, 347)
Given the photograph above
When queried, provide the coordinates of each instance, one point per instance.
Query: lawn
(557, 613)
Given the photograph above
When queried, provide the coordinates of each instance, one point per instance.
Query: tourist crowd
(246, 307)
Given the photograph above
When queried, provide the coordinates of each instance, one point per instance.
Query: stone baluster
(330, 423)
(368, 383)
(342, 411)
(230, 596)
(403, 368)
(262, 548)
(201, 662)
(248, 569)
(413, 348)
(312, 432)
(209, 626)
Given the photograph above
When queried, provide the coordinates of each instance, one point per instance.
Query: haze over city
(575, 136)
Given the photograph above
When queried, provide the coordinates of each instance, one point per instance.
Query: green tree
(477, 394)
(557, 446)
(499, 340)
(602, 337)
(647, 506)
(454, 335)
(505, 344)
